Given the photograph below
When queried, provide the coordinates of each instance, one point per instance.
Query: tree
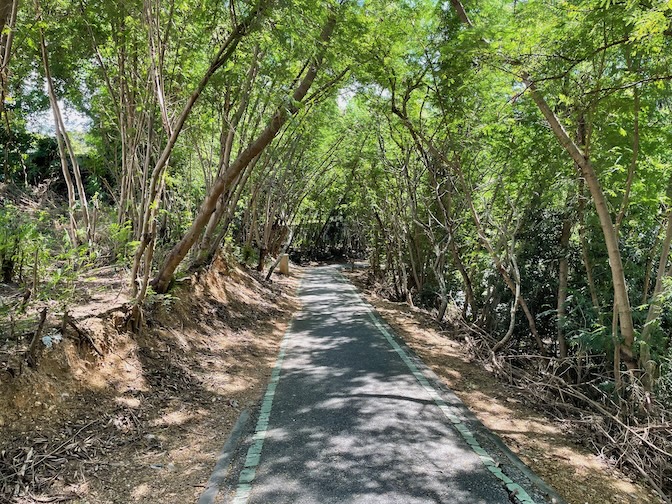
(162, 280)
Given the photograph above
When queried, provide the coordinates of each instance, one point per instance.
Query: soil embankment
(143, 422)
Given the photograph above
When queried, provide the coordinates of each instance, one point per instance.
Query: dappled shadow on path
(350, 423)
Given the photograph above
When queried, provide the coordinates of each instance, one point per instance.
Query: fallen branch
(68, 320)
(642, 444)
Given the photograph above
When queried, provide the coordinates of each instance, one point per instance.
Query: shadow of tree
(350, 423)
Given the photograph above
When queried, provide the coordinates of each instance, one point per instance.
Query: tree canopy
(509, 159)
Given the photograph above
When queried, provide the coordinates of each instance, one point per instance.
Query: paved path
(349, 418)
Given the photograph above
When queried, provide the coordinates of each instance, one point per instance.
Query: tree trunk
(263, 251)
(633, 162)
(470, 300)
(64, 145)
(284, 250)
(655, 308)
(585, 256)
(512, 316)
(461, 13)
(617, 349)
(5, 12)
(563, 276)
(206, 243)
(8, 13)
(59, 136)
(443, 198)
(226, 51)
(455, 167)
(608, 229)
(438, 265)
(206, 255)
(83, 200)
(649, 264)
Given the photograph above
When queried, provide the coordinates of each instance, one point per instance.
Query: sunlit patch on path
(348, 416)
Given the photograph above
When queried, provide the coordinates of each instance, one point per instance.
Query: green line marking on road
(253, 457)
(467, 435)
(249, 472)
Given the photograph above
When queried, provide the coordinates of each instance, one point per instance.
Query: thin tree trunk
(225, 53)
(156, 66)
(284, 250)
(8, 13)
(225, 158)
(443, 294)
(143, 234)
(83, 200)
(585, 256)
(655, 308)
(500, 267)
(438, 266)
(444, 199)
(633, 162)
(418, 276)
(64, 145)
(231, 208)
(514, 306)
(5, 13)
(461, 13)
(35, 342)
(59, 136)
(608, 229)
(438, 155)
(649, 265)
(563, 277)
(617, 349)
(403, 276)
(470, 301)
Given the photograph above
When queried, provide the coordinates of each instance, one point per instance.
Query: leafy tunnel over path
(504, 163)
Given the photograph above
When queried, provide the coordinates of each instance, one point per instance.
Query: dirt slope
(145, 422)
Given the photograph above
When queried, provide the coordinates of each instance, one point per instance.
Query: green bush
(20, 239)
(121, 241)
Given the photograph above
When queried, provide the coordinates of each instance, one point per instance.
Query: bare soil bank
(144, 422)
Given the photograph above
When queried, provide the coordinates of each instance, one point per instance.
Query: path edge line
(253, 456)
(223, 460)
(512, 487)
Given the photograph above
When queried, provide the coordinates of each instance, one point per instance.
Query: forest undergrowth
(630, 430)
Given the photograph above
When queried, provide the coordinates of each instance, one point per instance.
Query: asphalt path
(351, 416)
